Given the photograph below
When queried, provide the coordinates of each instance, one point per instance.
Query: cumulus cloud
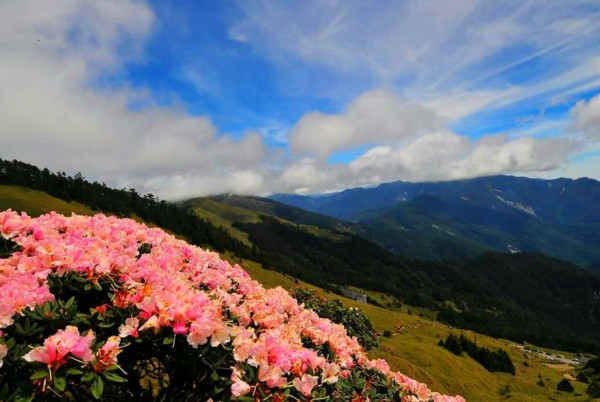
(586, 117)
(374, 117)
(407, 141)
(435, 156)
(55, 112)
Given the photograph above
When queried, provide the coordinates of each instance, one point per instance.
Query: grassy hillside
(36, 203)
(224, 216)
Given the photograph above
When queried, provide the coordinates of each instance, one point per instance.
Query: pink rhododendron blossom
(107, 354)
(130, 328)
(56, 348)
(180, 288)
(306, 384)
(240, 388)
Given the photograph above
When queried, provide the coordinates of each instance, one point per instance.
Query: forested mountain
(462, 218)
(523, 296)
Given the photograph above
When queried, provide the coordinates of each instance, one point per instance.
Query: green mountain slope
(37, 202)
(515, 296)
(452, 219)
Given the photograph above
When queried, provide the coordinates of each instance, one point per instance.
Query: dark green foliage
(453, 344)
(7, 247)
(493, 361)
(565, 386)
(336, 257)
(524, 297)
(366, 385)
(581, 377)
(387, 333)
(593, 389)
(591, 374)
(355, 321)
(374, 302)
(594, 365)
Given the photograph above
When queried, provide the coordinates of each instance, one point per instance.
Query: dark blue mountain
(462, 218)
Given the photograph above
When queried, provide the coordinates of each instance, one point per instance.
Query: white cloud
(449, 156)
(410, 141)
(441, 155)
(374, 117)
(586, 117)
(53, 114)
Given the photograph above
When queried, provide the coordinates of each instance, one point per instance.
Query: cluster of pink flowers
(181, 288)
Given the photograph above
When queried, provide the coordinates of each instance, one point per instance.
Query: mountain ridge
(558, 217)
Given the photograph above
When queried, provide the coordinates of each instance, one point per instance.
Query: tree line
(122, 203)
(491, 360)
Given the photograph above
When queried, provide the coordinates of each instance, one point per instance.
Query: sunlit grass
(224, 215)
(36, 203)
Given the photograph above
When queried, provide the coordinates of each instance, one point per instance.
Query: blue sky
(192, 98)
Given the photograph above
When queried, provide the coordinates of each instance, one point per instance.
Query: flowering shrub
(355, 321)
(106, 308)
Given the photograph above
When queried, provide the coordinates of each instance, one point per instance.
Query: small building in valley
(359, 297)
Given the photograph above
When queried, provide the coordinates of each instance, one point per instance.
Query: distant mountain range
(463, 218)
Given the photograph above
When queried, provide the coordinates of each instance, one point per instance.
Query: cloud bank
(56, 113)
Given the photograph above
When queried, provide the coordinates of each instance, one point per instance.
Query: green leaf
(70, 302)
(74, 371)
(87, 377)
(87, 287)
(19, 329)
(60, 383)
(31, 314)
(97, 387)
(4, 393)
(39, 375)
(113, 377)
(214, 375)
(106, 324)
